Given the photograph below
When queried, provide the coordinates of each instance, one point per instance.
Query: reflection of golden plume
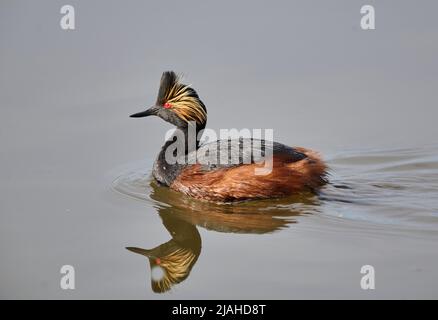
(176, 267)
(176, 257)
(181, 98)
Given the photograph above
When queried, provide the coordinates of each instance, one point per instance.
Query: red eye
(167, 105)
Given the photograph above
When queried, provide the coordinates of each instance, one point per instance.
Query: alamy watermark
(229, 147)
(67, 21)
(368, 281)
(68, 279)
(368, 20)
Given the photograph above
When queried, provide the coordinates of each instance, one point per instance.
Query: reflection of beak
(152, 111)
(144, 252)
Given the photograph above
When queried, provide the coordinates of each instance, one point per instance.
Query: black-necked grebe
(292, 170)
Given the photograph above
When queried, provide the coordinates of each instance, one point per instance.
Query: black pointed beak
(144, 252)
(152, 111)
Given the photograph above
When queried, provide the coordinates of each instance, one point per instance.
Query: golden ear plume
(181, 98)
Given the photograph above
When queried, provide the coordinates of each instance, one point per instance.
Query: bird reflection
(174, 258)
(172, 261)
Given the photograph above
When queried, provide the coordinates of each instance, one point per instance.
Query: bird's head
(177, 103)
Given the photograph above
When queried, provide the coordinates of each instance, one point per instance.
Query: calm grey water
(75, 185)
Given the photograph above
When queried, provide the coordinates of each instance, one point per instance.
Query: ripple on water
(397, 187)
(393, 187)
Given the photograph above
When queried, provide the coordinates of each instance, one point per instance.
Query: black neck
(182, 142)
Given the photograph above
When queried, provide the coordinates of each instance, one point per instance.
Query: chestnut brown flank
(241, 183)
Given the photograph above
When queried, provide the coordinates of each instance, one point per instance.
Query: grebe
(293, 170)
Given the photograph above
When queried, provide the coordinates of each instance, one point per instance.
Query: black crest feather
(168, 80)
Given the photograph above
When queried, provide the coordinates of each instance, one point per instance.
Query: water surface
(393, 189)
(75, 186)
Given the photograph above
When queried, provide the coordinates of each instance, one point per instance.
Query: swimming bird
(200, 172)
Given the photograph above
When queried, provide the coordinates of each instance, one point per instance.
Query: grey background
(303, 68)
